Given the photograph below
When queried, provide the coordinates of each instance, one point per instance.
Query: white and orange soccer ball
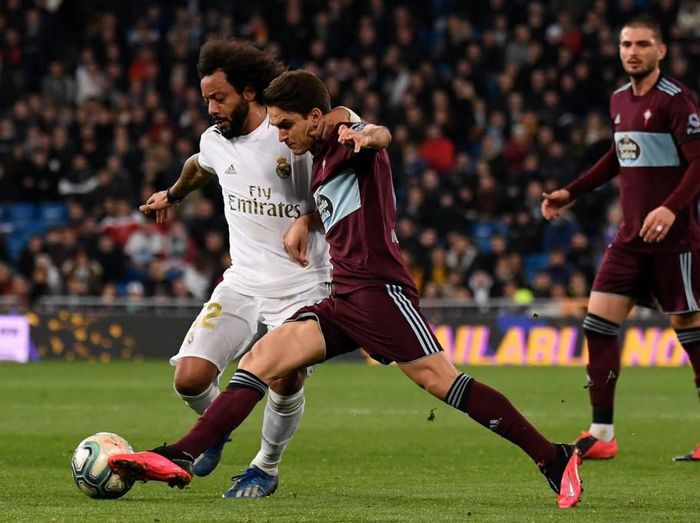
(91, 471)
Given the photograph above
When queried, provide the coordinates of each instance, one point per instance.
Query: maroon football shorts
(384, 321)
(670, 279)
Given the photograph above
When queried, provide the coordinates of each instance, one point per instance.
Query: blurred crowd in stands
(490, 102)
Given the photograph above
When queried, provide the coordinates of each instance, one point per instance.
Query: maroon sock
(225, 413)
(492, 409)
(690, 340)
(603, 365)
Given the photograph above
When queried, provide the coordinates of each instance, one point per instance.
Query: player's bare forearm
(191, 178)
(378, 136)
(364, 136)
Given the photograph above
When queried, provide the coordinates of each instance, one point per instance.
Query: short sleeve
(354, 117)
(684, 120)
(203, 159)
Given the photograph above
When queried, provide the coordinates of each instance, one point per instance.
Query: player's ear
(662, 51)
(249, 93)
(316, 115)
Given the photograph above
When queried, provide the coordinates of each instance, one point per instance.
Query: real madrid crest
(283, 170)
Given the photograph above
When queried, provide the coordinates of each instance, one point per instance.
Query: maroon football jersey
(355, 197)
(648, 132)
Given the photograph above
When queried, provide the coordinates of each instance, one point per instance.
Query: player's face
(294, 129)
(225, 105)
(640, 51)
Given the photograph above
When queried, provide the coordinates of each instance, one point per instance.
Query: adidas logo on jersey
(230, 170)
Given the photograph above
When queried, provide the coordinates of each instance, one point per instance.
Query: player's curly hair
(242, 63)
(298, 92)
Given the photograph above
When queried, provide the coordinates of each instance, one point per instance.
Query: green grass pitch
(365, 450)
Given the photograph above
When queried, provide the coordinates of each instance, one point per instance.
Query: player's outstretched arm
(604, 170)
(364, 136)
(192, 177)
(296, 239)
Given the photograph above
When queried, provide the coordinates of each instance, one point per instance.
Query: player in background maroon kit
(374, 304)
(656, 253)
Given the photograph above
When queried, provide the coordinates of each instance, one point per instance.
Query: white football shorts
(228, 323)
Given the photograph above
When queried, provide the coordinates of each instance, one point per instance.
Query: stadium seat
(54, 214)
(482, 231)
(21, 214)
(15, 243)
(535, 262)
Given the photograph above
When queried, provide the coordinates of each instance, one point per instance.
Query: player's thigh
(275, 311)
(623, 278)
(289, 347)
(676, 284)
(434, 373)
(223, 330)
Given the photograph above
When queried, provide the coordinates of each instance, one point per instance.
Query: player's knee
(190, 382)
(680, 322)
(193, 376)
(255, 362)
(189, 386)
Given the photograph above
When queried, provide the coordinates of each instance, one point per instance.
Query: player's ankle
(602, 431)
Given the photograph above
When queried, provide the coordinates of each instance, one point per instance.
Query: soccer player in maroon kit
(374, 304)
(655, 254)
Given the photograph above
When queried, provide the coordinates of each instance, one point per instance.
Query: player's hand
(351, 138)
(554, 203)
(656, 224)
(159, 203)
(296, 240)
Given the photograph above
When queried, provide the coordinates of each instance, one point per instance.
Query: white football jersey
(265, 188)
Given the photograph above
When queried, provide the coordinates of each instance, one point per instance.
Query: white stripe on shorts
(686, 261)
(418, 326)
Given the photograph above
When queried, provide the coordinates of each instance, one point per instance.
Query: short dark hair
(242, 63)
(298, 92)
(648, 22)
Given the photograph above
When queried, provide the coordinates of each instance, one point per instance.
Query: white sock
(602, 431)
(280, 422)
(202, 401)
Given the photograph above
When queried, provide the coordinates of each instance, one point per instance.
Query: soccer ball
(91, 471)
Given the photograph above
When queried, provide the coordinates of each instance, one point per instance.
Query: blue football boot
(209, 459)
(253, 483)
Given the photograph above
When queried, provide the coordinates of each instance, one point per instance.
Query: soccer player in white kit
(264, 188)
